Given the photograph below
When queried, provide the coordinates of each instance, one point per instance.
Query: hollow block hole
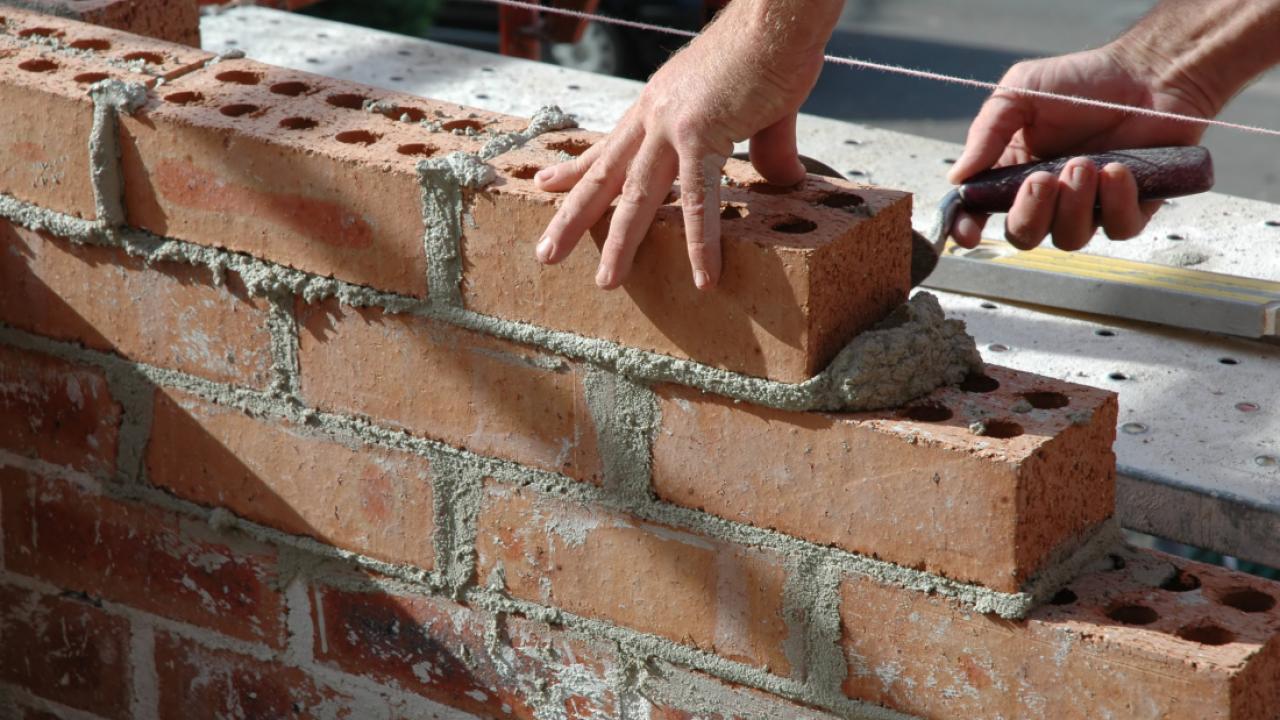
(186, 97)
(1181, 581)
(90, 78)
(1248, 600)
(795, 226)
(1133, 614)
(148, 57)
(1206, 634)
(1002, 429)
(979, 383)
(842, 200)
(39, 65)
(420, 149)
(291, 88)
(357, 137)
(524, 172)
(96, 44)
(40, 32)
(238, 109)
(463, 126)
(350, 101)
(932, 412)
(298, 123)
(401, 113)
(1046, 400)
(1065, 596)
(733, 211)
(570, 146)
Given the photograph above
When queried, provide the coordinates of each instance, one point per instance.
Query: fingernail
(1038, 190)
(701, 279)
(1079, 172)
(544, 174)
(602, 277)
(544, 250)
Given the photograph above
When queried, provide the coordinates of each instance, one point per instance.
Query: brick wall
(301, 429)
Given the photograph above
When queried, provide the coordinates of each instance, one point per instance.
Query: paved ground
(982, 38)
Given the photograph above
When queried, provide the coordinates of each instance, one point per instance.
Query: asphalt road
(981, 39)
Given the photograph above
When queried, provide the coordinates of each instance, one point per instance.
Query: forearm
(1208, 49)
(785, 25)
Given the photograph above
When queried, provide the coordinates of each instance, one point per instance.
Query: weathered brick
(366, 499)
(438, 649)
(286, 166)
(58, 412)
(788, 300)
(707, 593)
(680, 694)
(915, 486)
(164, 314)
(176, 21)
(198, 682)
(139, 556)
(1157, 638)
(66, 651)
(462, 388)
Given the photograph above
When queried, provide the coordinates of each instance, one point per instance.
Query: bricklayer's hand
(744, 78)
(1012, 128)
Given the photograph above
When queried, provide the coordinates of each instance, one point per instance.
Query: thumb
(994, 126)
(774, 153)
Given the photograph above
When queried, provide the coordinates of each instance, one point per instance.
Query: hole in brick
(148, 57)
(570, 146)
(1046, 400)
(524, 172)
(932, 412)
(400, 113)
(1181, 581)
(1249, 600)
(417, 149)
(979, 383)
(186, 97)
(1065, 596)
(767, 189)
(92, 44)
(795, 226)
(90, 78)
(38, 66)
(1208, 634)
(238, 109)
(841, 201)
(349, 101)
(463, 126)
(1133, 614)
(1117, 562)
(733, 211)
(292, 89)
(1002, 429)
(298, 123)
(239, 77)
(40, 32)
(357, 137)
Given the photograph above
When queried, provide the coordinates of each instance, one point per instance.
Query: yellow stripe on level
(1108, 269)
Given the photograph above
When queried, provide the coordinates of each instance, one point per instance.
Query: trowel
(1161, 174)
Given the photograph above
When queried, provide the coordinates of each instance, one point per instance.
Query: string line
(913, 72)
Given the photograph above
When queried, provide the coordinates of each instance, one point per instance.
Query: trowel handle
(1161, 173)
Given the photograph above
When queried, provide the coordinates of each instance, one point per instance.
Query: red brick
(66, 651)
(462, 388)
(713, 595)
(437, 649)
(139, 556)
(923, 493)
(47, 115)
(294, 193)
(164, 314)
(786, 304)
(56, 411)
(176, 21)
(197, 682)
(1111, 647)
(366, 499)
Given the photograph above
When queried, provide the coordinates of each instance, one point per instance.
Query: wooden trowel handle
(1161, 173)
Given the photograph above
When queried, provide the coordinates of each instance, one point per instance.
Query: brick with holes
(141, 556)
(45, 112)
(916, 486)
(66, 650)
(369, 500)
(166, 314)
(712, 594)
(1141, 636)
(176, 21)
(805, 269)
(289, 167)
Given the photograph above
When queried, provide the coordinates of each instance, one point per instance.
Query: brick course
(176, 21)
